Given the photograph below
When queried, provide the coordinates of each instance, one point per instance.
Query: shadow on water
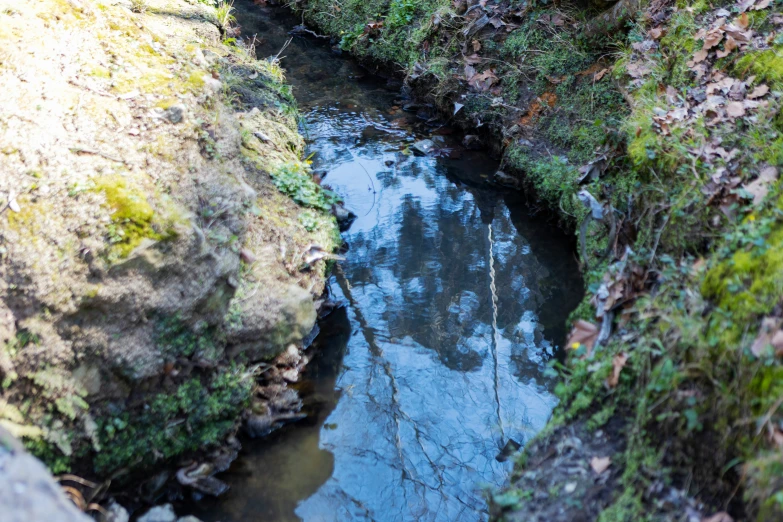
(455, 300)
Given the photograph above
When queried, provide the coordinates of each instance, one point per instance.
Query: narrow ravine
(455, 299)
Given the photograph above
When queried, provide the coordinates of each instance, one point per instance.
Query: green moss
(749, 283)
(133, 218)
(766, 65)
(196, 415)
(176, 339)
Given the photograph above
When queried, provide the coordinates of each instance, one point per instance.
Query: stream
(455, 299)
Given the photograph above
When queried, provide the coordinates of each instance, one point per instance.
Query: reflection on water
(456, 300)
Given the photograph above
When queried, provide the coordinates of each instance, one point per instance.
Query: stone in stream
(423, 147)
(344, 216)
(501, 178)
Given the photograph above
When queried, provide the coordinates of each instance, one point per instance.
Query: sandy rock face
(146, 258)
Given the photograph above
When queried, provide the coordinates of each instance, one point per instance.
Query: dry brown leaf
(763, 4)
(758, 92)
(699, 56)
(583, 334)
(712, 39)
(470, 72)
(719, 517)
(742, 21)
(728, 46)
(655, 33)
(618, 363)
(600, 464)
(760, 186)
(600, 74)
(476, 46)
(483, 81)
(743, 5)
(637, 70)
(735, 109)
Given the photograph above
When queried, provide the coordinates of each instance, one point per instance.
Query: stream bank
(452, 297)
(654, 130)
(162, 241)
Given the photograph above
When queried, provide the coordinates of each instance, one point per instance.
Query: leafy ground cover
(656, 135)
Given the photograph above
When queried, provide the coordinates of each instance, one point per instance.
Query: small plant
(294, 180)
(223, 15)
(139, 6)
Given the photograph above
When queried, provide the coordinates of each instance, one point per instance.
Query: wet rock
(175, 113)
(423, 147)
(116, 513)
(164, 513)
(471, 142)
(199, 477)
(290, 357)
(260, 425)
(344, 217)
(288, 400)
(501, 178)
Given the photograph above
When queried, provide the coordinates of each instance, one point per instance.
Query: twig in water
(285, 45)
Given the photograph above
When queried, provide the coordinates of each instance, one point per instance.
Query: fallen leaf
(655, 33)
(763, 4)
(777, 343)
(600, 464)
(470, 72)
(483, 81)
(742, 21)
(719, 517)
(583, 334)
(712, 39)
(699, 56)
(728, 46)
(458, 107)
(769, 326)
(735, 109)
(473, 59)
(758, 92)
(743, 5)
(618, 362)
(476, 45)
(600, 74)
(637, 70)
(760, 186)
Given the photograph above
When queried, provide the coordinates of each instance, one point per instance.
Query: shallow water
(455, 301)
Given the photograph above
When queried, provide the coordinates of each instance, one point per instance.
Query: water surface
(455, 298)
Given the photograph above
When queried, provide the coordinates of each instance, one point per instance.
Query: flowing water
(455, 298)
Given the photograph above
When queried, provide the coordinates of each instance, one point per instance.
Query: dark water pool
(456, 299)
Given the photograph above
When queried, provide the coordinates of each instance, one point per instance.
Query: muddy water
(455, 300)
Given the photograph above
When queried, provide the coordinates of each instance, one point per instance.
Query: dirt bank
(654, 130)
(161, 239)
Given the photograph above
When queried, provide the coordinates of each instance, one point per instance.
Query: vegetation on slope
(660, 145)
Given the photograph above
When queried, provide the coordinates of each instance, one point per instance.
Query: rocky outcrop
(147, 259)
